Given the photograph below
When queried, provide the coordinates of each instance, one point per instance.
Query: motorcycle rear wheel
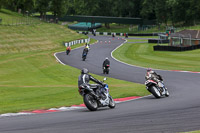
(107, 72)
(90, 102)
(155, 92)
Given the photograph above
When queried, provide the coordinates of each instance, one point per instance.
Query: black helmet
(84, 71)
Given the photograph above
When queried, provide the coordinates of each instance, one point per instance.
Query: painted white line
(58, 59)
(15, 114)
(67, 108)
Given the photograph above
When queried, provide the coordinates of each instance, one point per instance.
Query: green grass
(30, 76)
(193, 132)
(25, 38)
(143, 55)
(136, 40)
(12, 18)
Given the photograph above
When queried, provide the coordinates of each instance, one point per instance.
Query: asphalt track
(180, 112)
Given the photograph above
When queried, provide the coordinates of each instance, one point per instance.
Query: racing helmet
(106, 58)
(84, 71)
(149, 69)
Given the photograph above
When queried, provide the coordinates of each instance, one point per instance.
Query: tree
(193, 11)
(27, 6)
(10, 4)
(58, 7)
(137, 8)
(87, 7)
(122, 8)
(107, 10)
(1, 3)
(70, 10)
(15, 5)
(148, 9)
(161, 11)
(179, 11)
(42, 6)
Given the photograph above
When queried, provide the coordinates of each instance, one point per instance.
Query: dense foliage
(174, 11)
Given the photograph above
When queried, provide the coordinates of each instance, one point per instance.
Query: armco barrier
(157, 41)
(175, 48)
(76, 42)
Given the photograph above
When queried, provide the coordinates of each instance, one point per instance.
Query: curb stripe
(73, 107)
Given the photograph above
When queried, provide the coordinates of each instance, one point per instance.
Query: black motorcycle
(106, 69)
(97, 97)
(84, 56)
(67, 52)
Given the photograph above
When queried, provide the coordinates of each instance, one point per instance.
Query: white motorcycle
(157, 89)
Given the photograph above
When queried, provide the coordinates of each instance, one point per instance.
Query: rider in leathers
(153, 75)
(84, 79)
(106, 62)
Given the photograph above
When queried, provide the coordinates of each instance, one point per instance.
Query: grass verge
(137, 40)
(142, 54)
(192, 132)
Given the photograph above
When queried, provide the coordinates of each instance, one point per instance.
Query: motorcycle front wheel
(111, 103)
(167, 93)
(155, 92)
(90, 102)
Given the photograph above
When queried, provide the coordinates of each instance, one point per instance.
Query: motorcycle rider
(106, 62)
(68, 49)
(155, 77)
(85, 50)
(87, 46)
(85, 78)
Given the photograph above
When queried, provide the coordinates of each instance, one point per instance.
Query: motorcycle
(106, 69)
(67, 52)
(84, 56)
(157, 89)
(97, 97)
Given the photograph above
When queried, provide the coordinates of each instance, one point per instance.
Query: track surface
(180, 112)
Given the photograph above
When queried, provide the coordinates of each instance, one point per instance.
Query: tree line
(163, 11)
